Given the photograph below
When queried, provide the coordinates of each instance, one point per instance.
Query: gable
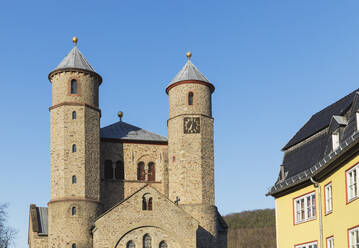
(128, 216)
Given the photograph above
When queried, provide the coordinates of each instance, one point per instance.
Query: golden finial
(189, 55)
(75, 40)
(120, 115)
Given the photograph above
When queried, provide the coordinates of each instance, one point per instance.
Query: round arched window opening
(74, 115)
(74, 179)
(73, 245)
(74, 148)
(74, 86)
(130, 244)
(73, 211)
(190, 98)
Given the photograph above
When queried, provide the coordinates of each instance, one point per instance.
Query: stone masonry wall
(126, 221)
(114, 191)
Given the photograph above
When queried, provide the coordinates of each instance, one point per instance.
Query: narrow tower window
(147, 241)
(130, 244)
(74, 115)
(151, 171)
(74, 179)
(163, 244)
(190, 98)
(144, 203)
(73, 246)
(119, 171)
(74, 88)
(73, 148)
(108, 169)
(150, 203)
(73, 211)
(141, 171)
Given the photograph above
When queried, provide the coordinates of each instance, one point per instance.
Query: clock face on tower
(191, 125)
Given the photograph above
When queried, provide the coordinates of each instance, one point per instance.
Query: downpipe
(316, 185)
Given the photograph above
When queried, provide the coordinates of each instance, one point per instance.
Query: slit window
(190, 98)
(74, 179)
(73, 148)
(73, 211)
(74, 86)
(74, 115)
(73, 245)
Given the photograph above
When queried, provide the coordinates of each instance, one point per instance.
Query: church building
(121, 186)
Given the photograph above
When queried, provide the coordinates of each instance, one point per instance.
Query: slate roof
(189, 72)
(124, 131)
(321, 119)
(42, 215)
(316, 151)
(75, 59)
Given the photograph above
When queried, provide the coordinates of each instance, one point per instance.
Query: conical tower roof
(189, 72)
(75, 59)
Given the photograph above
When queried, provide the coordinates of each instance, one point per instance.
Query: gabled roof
(321, 120)
(189, 72)
(75, 59)
(124, 131)
(316, 153)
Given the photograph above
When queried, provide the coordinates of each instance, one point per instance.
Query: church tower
(190, 149)
(75, 148)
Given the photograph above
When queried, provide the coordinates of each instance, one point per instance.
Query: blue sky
(274, 63)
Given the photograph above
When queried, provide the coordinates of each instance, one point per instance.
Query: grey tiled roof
(321, 120)
(42, 214)
(75, 59)
(189, 72)
(124, 131)
(308, 158)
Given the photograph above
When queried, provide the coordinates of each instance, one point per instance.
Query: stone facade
(133, 187)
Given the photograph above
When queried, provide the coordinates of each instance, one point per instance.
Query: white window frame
(305, 208)
(308, 245)
(357, 120)
(352, 178)
(335, 140)
(328, 193)
(330, 242)
(354, 237)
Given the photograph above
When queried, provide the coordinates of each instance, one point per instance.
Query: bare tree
(7, 234)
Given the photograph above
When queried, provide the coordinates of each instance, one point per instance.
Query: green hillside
(251, 229)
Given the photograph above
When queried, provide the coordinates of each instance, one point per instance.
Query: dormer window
(74, 86)
(335, 140)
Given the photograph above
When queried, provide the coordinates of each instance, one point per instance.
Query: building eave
(318, 170)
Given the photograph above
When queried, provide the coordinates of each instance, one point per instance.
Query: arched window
(73, 245)
(151, 171)
(108, 169)
(141, 171)
(74, 179)
(163, 244)
(74, 115)
(147, 241)
(130, 244)
(74, 86)
(144, 203)
(73, 211)
(190, 98)
(150, 204)
(119, 171)
(73, 148)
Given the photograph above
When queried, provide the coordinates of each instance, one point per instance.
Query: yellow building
(317, 190)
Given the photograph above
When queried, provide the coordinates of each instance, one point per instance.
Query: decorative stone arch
(172, 237)
(149, 170)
